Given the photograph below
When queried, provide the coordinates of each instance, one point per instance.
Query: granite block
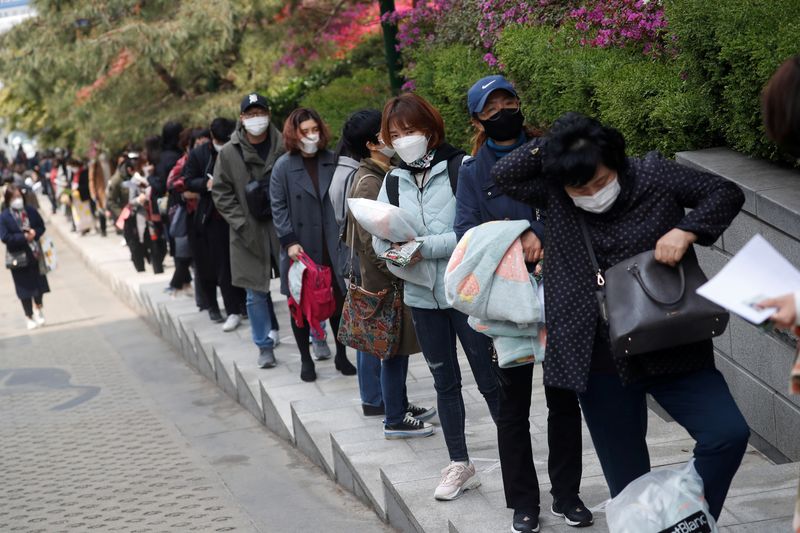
(754, 399)
(245, 395)
(766, 357)
(272, 418)
(787, 420)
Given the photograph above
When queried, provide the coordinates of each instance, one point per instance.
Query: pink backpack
(316, 296)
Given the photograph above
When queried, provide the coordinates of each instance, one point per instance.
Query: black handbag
(17, 260)
(256, 194)
(651, 306)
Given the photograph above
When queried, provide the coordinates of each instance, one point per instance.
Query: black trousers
(183, 274)
(27, 304)
(152, 249)
(564, 462)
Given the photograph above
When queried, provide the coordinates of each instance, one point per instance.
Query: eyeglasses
(254, 114)
(494, 112)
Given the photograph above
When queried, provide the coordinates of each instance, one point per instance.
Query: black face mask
(505, 125)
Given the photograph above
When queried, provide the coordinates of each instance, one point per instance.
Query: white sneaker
(31, 324)
(231, 323)
(38, 316)
(275, 335)
(456, 478)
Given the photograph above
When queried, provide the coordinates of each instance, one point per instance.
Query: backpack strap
(393, 189)
(453, 165)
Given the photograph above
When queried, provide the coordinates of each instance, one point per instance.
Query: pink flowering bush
(623, 23)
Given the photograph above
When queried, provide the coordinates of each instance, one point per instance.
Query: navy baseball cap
(253, 100)
(478, 93)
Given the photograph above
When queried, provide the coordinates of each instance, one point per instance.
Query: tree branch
(171, 83)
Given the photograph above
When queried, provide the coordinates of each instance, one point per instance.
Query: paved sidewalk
(397, 478)
(105, 428)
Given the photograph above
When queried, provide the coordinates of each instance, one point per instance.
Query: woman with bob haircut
(304, 219)
(580, 173)
(423, 184)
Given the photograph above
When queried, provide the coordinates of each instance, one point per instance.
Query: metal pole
(393, 63)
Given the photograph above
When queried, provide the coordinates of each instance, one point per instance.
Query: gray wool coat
(300, 216)
(254, 244)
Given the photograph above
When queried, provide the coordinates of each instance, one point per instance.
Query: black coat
(28, 282)
(655, 195)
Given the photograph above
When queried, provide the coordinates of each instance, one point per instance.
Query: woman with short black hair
(579, 172)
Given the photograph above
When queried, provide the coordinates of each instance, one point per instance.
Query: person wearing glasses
(499, 129)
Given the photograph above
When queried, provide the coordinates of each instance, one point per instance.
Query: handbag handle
(634, 270)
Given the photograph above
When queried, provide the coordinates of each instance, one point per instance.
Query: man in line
(249, 156)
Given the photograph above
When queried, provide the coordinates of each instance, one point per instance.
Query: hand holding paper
(757, 273)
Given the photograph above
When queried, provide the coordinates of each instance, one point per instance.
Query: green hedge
(442, 75)
(363, 88)
(731, 50)
(648, 101)
(707, 95)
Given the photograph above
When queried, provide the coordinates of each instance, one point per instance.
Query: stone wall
(756, 363)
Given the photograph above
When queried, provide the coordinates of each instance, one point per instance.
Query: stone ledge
(772, 193)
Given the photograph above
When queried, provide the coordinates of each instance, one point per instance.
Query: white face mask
(17, 204)
(411, 147)
(601, 201)
(255, 126)
(218, 147)
(310, 143)
(388, 152)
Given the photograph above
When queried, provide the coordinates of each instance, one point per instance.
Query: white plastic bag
(669, 500)
(385, 221)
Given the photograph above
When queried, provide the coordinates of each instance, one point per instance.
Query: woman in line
(382, 383)
(498, 122)
(305, 222)
(781, 107)
(209, 231)
(21, 227)
(424, 185)
(579, 172)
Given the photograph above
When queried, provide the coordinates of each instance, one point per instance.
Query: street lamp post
(390, 46)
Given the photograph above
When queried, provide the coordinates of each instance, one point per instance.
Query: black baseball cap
(253, 100)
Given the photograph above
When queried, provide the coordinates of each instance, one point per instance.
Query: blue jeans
(260, 321)
(273, 320)
(369, 379)
(699, 401)
(383, 383)
(437, 330)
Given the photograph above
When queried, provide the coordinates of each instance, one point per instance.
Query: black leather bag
(650, 306)
(17, 260)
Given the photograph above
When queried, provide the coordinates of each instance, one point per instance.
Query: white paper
(756, 273)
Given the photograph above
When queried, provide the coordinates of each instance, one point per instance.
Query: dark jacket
(302, 217)
(199, 166)
(655, 196)
(28, 282)
(253, 243)
(479, 199)
(375, 276)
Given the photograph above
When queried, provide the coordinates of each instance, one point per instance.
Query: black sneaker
(215, 315)
(574, 512)
(525, 522)
(409, 428)
(422, 414)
